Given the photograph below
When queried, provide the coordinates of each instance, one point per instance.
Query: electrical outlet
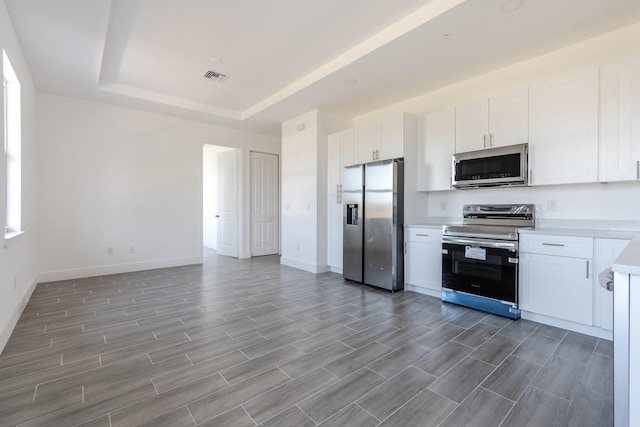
(552, 205)
(109, 250)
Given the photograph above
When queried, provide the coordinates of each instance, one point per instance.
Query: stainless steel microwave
(493, 167)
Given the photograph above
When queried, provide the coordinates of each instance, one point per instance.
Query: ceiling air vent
(214, 75)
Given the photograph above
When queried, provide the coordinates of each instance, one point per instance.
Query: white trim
(7, 329)
(301, 265)
(594, 331)
(423, 291)
(103, 270)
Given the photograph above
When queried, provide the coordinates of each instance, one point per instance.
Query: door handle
(560, 245)
(217, 216)
(587, 269)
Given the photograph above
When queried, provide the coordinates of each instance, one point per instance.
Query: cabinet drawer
(568, 246)
(423, 235)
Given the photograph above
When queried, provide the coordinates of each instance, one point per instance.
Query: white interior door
(227, 216)
(264, 204)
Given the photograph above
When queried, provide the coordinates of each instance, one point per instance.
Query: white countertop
(629, 260)
(579, 232)
(435, 222)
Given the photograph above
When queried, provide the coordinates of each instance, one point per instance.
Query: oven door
(488, 268)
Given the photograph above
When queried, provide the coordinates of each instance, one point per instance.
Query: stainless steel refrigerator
(373, 242)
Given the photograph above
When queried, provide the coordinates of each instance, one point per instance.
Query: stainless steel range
(480, 257)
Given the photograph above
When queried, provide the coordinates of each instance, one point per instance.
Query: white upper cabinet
(493, 122)
(339, 154)
(563, 144)
(348, 148)
(334, 163)
(620, 122)
(384, 139)
(366, 142)
(435, 151)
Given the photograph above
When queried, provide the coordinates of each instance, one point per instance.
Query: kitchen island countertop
(629, 260)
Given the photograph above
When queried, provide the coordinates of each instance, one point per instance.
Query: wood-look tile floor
(250, 342)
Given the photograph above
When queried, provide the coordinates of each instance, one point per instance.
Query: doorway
(211, 186)
(241, 205)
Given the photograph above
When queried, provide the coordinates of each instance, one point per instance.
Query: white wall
(618, 201)
(304, 189)
(18, 256)
(300, 191)
(612, 202)
(111, 177)
(210, 194)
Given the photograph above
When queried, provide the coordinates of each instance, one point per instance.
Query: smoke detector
(214, 75)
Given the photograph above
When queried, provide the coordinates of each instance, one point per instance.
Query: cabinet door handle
(637, 169)
(373, 154)
(422, 235)
(377, 154)
(530, 176)
(490, 140)
(484, 142)
(560, 245)
(587, 269)
(405, 247)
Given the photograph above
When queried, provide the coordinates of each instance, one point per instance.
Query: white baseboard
(424, 291)
(210, 245)
(301, 265)
(7, 329)
(335, 270)
(594, 331)
(104, 270)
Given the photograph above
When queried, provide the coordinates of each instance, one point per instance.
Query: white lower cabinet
(423, 259)
(556, 279)
(605, 253)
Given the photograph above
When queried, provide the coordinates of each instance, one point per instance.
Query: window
(12, 150)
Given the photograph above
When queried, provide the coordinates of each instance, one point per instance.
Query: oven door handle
(483, 243)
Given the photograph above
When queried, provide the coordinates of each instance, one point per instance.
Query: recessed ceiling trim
(160, 98)
(410, 22)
